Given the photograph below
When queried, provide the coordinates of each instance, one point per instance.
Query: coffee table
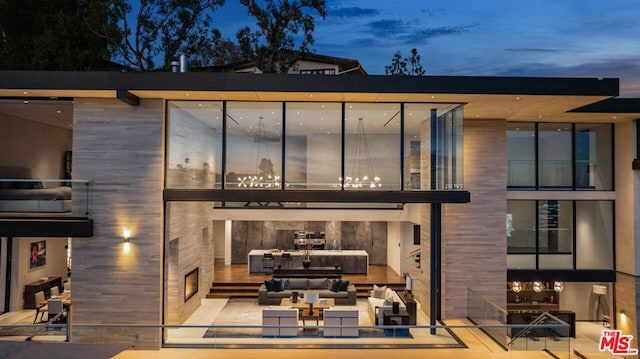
(330, 302)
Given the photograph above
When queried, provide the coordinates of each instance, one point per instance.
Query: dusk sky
(565, 38)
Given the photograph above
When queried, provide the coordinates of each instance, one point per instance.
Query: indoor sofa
(381, 299)
(343, 292)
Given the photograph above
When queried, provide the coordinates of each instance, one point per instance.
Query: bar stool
(285, 258)
(267, 262)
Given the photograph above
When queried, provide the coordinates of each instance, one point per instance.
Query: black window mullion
(283, 146)
(575, 235)
(537, 233)
(573, 156)
(223, 179)
(536, 156)
(402, 159)
(342, 145)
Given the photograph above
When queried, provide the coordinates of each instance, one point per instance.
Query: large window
(194, 146)
(313, 145)
(372, 144)
(521, 154)
(334, 146)
(557, 156)
(552, 234)
(254, 145)
(554, 155)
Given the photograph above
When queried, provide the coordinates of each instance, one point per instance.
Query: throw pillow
(388, 296)
(378, 292)
(344, 285)
(269, 284)
(318, 283)
(335, 285)
(277, 285)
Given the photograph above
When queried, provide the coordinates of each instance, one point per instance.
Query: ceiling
(46, 106)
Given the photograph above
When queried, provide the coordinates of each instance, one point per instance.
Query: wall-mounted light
(126, 234)
(516, 286)
(537, 286)
(558, 286)
(623, 317)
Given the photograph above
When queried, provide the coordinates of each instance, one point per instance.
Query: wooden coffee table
(330, 302)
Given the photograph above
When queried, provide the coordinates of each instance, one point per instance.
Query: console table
(44, 285)
(410, 304)
(311, 272)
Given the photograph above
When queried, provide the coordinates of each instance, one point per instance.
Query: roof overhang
(509, 98)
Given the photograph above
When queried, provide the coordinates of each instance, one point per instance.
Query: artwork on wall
(190, 284)
(37, 254)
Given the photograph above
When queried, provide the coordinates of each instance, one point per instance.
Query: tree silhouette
(405, 66)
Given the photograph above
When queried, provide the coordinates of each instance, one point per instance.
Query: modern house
(520, 189)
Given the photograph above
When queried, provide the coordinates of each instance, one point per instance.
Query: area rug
(246, 316)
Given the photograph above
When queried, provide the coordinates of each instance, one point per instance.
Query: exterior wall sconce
(558, 286)
(126, 234)
(537, 286)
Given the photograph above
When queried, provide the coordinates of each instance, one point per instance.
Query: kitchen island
(351, 261)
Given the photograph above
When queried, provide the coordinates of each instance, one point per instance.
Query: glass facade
(372, 144)
(194, 145)
(560, 156)
(553, 234)
(314, 145)
(521, 154)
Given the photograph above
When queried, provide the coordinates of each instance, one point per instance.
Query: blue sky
(566, 38)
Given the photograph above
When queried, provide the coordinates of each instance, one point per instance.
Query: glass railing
(544, 332)
(44, 197)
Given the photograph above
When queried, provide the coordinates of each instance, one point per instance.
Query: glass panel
(521, 154)
(448, 147)
(521, 261)
(554, 155)
(254, 146)
(417, 122)
(594, 234)
(194, 144)
(372, 146)
(313, 145)
(594, 165)
(521, 227)
(555, 261)
(555, 225)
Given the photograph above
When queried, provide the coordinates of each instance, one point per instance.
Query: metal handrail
(537, 321)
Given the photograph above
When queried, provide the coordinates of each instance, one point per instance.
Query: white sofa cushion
(376, 306)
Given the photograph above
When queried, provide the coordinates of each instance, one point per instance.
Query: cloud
(531, 49)
(419, 36)
(388, 27)
(352, 12)
(626, 69)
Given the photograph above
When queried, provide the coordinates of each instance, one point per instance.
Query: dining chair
(55, 291)
(40, 308)
(54, 308)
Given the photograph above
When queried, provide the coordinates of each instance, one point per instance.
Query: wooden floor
(234, 280)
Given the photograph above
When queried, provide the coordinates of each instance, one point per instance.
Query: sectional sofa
(343, 294)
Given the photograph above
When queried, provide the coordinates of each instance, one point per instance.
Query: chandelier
(266, 176)
(359, 172)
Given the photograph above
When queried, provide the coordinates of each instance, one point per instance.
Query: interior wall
(34, 145)
(21, 273)
(408, 248)
(190, 238)
(364, 235)
(579, 298)
(394, 246)
(219, 236)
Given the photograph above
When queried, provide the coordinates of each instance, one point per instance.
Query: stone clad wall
(118, 148)
(474, 248)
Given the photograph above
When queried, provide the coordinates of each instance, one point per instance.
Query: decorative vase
(306, 263)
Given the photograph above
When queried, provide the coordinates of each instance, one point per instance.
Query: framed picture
(37, 254)
(191, 281)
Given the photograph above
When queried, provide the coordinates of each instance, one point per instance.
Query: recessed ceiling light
(300, 123)
(25, 92)
(26, 102)
(517, 97)
(58, 111)
(187, 94)
(433, 97)
(614, 117)
(199, 105)
(539, 116)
